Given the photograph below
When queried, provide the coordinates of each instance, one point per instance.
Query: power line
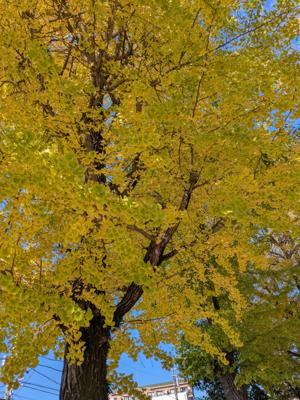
(42, 386)
(45, 376)
(39, 390)
(47, 366)
(50, 359)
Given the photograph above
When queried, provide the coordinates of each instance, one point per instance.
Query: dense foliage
(143, 145)
(269, 331)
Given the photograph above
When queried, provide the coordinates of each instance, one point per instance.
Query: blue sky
(46, 377)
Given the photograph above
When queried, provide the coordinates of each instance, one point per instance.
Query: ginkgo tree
(137, 138)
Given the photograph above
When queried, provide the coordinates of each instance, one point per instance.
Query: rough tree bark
(231, 391)
(88, 381)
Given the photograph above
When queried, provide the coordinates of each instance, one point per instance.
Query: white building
(162, 391)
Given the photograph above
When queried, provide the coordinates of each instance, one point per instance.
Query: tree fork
(88, 381)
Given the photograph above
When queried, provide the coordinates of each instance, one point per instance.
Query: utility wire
(42, 386)
(40, 390)
(47, 366)
(50, 359)
(45, 376)
(35, 386)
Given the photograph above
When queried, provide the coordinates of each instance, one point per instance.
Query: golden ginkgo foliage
(138, 140)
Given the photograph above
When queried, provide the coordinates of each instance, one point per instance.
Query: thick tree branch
(154, 255)
(131, 297)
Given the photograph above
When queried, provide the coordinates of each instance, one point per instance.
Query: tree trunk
(88, 381)
(231, 391)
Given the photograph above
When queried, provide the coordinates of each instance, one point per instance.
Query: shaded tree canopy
(268, 360)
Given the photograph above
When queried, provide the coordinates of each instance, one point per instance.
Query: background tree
(138, 138)
(214, 391)
(269, 330)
